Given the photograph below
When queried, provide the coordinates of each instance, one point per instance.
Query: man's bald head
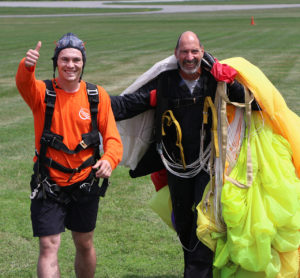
(189, 53)
(187, 35)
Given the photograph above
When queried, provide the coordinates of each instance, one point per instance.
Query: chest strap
(50, 139)
(182, 102)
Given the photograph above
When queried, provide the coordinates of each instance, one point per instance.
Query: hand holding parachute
(221, 72)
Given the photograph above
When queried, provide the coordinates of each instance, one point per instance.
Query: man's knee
(49, 244)
(83, 241)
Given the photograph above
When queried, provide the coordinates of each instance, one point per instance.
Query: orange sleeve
(112, 144)
(31, 90)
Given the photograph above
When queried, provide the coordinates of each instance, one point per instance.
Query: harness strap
(53, 164)
(172, 120)
(248, 100)
(178, 102)
(49, 189)
(221, 90)
(50, 139)
(50, 98)
(93, 97)
(209, 104)
(164, 117)
(53, 140)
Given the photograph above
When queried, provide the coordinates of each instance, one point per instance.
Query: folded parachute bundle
(259, 203)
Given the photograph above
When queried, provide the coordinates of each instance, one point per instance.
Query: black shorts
(49, 217)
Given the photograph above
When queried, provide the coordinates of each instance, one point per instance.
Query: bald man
(178, 96)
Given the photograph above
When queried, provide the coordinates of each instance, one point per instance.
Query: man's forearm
(130, 105)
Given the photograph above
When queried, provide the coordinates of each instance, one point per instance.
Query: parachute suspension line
(174, 167)
(191, 169)
(219, 162)
(230, 138)
(235, 135)
(189, 249)
(202, 163)
(247, 109)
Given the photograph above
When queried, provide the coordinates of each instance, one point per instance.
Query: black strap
(50, 98)
(181, 102)
(55, 141)
(77, 192)
(53, 164)
(50, 139)
(162, 103)
(93, 96)
(103, 187)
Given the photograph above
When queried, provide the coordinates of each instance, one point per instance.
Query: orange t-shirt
(71, 119)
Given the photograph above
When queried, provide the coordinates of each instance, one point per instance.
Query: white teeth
(190, 63)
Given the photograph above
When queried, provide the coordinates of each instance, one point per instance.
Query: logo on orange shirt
(84, 114)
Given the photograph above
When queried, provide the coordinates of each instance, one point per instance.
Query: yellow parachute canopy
(284, 121)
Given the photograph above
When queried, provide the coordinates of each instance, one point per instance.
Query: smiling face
(189, 53)
(69, 65)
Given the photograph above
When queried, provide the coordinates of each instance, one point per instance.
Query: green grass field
(131, 241)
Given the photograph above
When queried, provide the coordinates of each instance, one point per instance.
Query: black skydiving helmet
(68, 40)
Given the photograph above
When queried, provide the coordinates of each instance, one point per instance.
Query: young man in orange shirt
(68, 116)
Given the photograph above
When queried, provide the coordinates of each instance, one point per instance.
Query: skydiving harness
(202, 163)
(213, 158)
(165, 119)
(42, 186)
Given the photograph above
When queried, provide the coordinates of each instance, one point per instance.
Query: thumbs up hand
(33, 55)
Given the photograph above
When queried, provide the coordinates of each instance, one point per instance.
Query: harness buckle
(83, 144)
(50, 93)
(76, 170)
(52, 141)
(35, 192)
(92, 92)
(86, 186)
(43, 139)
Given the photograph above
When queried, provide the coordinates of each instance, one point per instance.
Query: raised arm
(30, 88)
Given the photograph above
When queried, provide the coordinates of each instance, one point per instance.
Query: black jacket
(174, 94)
